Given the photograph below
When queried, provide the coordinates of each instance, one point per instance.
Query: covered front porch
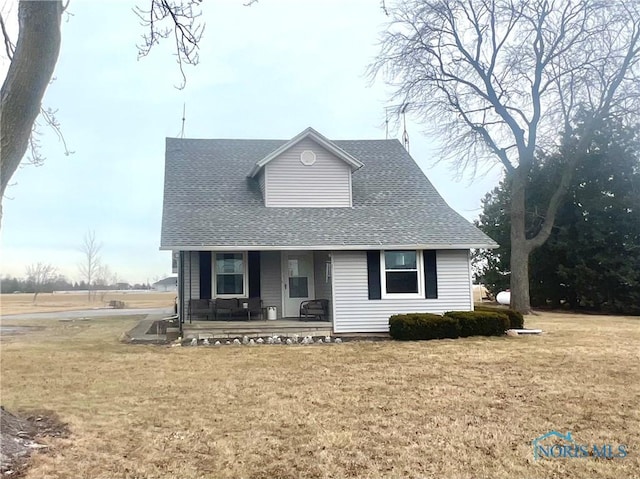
(224, 290)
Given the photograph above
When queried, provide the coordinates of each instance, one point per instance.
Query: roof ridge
(279, 139)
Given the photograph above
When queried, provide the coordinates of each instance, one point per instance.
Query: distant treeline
(17, 285)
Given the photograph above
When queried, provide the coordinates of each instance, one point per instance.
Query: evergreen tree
(592, 258)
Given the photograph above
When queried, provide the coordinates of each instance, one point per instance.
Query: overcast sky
(266, 71)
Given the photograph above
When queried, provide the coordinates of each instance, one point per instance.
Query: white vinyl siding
(192, 282)
(320, 280)
(289, 183)
(355, 312)
(191, 269)
(271, 279)
(261, 183)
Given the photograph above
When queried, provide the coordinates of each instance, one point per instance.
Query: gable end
(309, 176)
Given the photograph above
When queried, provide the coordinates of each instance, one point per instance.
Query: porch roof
(209, 203)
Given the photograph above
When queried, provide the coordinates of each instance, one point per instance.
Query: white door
(297, 281)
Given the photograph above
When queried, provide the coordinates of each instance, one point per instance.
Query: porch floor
(255, 328)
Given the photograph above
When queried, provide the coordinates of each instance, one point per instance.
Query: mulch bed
(20, 435)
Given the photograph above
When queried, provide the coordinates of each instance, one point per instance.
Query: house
(169, 283)
(355, 222)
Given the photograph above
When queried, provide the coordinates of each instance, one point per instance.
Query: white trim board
(263, 247)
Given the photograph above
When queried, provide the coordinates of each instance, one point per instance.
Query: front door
(297, 281)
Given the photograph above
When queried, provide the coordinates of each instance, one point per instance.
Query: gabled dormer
(309, 171)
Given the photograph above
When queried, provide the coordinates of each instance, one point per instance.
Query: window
(230, 274)
(298, 279)
(402, 273)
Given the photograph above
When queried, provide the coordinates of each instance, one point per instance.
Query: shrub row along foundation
(454, 324)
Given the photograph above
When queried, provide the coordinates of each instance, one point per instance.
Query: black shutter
(373, 274)
(254, 274)
(430, 274)
(205, 274)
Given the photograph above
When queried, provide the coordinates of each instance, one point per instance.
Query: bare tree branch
(177, 18)
(35, 156)
(50, 119)
(383, 7)
(503, 79)
(8, 44)
(28, 76)
(34, 57)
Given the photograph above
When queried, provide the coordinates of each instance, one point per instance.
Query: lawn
(67, 301)
(466, 408)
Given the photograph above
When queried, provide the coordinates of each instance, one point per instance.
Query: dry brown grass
(467, 408)
(45, 302)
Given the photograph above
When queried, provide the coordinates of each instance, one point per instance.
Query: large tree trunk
(520, 249)
(521, 246)
(29, 75)
(520, 300)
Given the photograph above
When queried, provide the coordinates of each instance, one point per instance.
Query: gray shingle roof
(209, 202)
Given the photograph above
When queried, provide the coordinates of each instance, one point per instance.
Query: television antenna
(400, 110)
(184, 109)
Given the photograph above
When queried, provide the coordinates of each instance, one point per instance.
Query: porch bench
(224, 307)
(200, 308)
(233, 308)
(317, 309)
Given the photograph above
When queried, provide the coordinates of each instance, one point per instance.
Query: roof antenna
(405, 135)
(184, 108)
(399, 109)
(386, 122)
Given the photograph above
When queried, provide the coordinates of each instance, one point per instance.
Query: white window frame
(419, 272)
(245, 276)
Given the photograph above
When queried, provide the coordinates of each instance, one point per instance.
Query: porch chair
(314, 309)
(223, 306)
(199, 308)
(255, 307)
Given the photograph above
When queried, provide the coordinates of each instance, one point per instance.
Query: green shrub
(516, 320)
(480, 323)
(414, 326)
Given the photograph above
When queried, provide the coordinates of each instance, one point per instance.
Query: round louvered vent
(307, 157)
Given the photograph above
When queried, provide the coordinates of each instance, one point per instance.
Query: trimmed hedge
(516, 319)
(480, 323)
(454, 324)
(414, 326)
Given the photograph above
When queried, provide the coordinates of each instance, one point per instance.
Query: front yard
(466, 408)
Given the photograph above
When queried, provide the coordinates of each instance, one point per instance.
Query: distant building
(167, 284)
